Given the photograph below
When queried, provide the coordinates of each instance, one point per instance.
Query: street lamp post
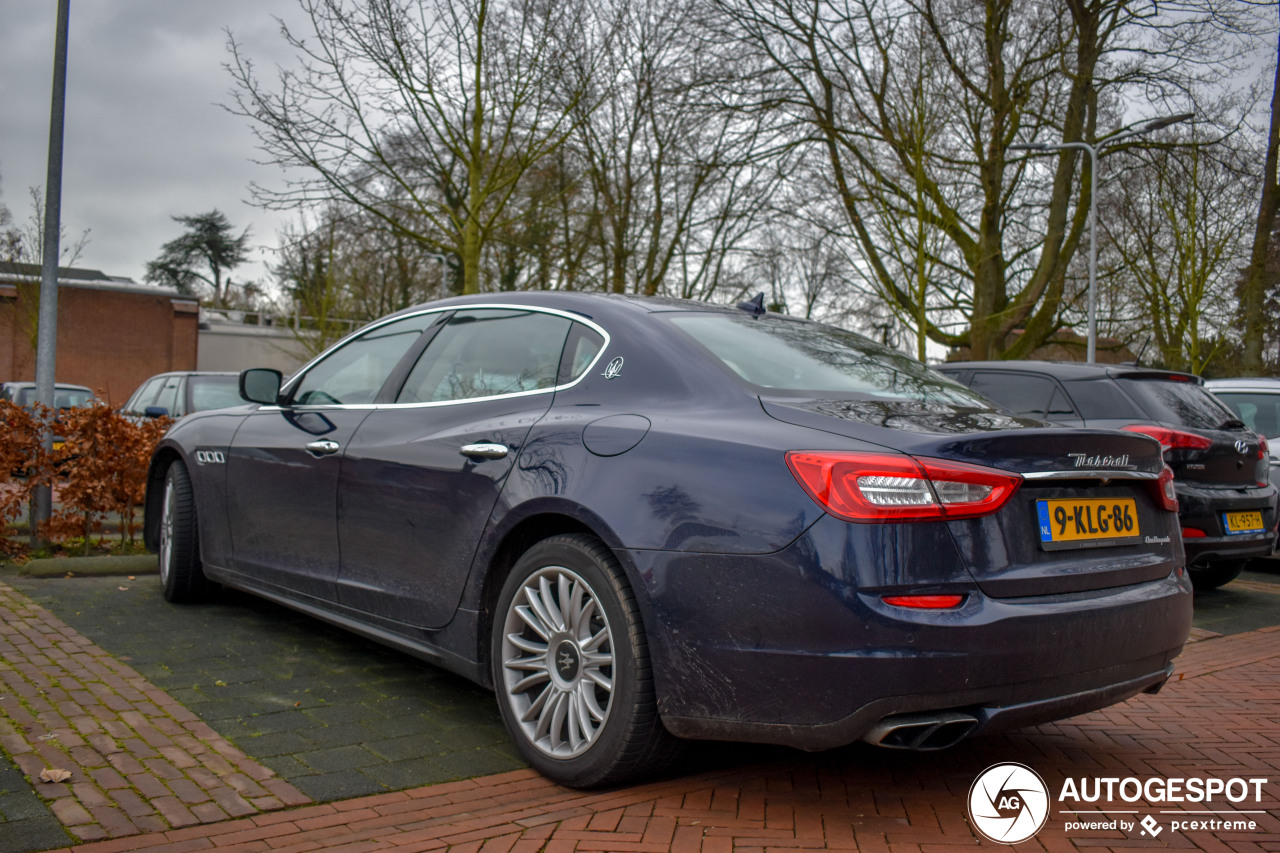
(1092, 150)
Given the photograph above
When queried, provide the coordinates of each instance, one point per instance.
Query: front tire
(571, 667)
(181, 574)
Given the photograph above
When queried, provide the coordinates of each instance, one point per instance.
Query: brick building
(112, 332)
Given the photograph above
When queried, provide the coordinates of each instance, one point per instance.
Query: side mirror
(155, 412)
(261, 385)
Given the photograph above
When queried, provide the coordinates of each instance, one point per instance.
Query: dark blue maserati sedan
(642, 520)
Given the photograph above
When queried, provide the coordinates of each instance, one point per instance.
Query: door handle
(323, 447)
(484, 451)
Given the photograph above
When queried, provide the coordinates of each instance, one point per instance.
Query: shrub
(99, 470)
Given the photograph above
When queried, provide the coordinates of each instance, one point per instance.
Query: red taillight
(1166, 495)
(896, 487)
(924, 602)
(1172, 439)
(1263, 447)
(1192, 533)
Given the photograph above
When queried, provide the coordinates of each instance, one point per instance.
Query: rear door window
(484, 353)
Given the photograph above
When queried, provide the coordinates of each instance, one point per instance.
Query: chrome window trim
(1090, 474)
(355, 407)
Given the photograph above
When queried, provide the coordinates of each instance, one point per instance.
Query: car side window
(583, 346)
(1260, 412)
(144, 395)
(1101, 399)
(1021, 393)
(488, 353)
(168, 397)
(354, 373)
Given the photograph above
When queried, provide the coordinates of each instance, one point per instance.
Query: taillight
(1193, 533)
(1172, 439)
(924, 602)
(896, 487)
(1166, 494)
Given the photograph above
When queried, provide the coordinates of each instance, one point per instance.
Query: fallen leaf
(132, 578)
(123, 588)
(220, 683)
(54, 775)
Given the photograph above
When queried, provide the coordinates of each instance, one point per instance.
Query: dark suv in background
(1227, 506)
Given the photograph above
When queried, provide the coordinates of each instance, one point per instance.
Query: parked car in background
(180, 393)
(1256, 401)
(644, 518)
(65, 396)
(1227, 503)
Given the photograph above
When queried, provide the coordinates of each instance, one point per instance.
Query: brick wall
(111, 335)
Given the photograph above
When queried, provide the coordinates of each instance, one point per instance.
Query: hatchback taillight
(1166, 495)
(1172, 439)
(894, 487)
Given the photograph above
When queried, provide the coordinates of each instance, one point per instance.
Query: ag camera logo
(1008, 803)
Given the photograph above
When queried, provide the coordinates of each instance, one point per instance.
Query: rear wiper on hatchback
(1231, 423)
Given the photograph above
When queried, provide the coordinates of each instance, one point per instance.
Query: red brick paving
(1220, 719)
(139, 761)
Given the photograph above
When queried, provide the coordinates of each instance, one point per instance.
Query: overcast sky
(146, 138)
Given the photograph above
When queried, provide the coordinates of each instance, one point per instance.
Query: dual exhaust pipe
(922, 732)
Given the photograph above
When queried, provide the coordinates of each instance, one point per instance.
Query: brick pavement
(139, 761)
(1220, 718)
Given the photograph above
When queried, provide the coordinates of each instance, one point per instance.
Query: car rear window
(1183, 403)
(1259, 411)
(787, 355)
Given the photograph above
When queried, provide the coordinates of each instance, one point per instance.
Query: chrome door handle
(323, 447)
(484, 451)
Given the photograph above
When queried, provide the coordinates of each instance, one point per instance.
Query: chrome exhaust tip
(921, 732)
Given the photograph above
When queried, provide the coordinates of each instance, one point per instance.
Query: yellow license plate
(1249, 521)
(1087, 523)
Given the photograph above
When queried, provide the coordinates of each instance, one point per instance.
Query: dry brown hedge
(99, 470)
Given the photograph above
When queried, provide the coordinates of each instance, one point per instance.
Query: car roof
(1252, 383)
(65, 386)
(1070, 370)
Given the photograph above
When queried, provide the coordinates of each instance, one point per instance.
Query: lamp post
(1093, 150)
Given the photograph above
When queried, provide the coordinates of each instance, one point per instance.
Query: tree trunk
(1255, 278)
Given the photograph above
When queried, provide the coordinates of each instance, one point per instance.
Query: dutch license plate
(1087, 523)
(1249, 521)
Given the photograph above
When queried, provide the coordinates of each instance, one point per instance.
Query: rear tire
(181, 574)
(571, 667)
(1215, 575)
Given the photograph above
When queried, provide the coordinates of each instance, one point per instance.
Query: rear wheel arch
(523, 536)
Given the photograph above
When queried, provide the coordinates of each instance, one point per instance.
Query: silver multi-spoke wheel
(558, 662)
(166, 529)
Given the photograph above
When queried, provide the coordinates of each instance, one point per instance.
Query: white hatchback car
(1256, 401)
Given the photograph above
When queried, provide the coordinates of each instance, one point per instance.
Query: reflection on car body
(640, 520)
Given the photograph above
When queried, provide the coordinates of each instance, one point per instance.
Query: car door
(283, 464)
(420, 477)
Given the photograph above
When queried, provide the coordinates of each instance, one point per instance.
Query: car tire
(1215, 575)
(571, 667)
(181, 575)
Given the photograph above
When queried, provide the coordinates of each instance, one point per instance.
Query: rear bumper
(1202, 510)
(785, 648)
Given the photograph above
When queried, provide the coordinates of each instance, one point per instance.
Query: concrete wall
(229, 346)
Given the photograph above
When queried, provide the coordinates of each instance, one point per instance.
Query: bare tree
(1174, 230)
(1255, 284)
(427, 116)
(995, 233)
